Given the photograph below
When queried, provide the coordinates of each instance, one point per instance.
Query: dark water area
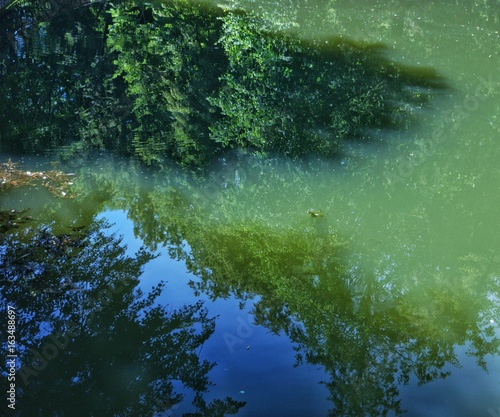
(189, 82)
(249, 209)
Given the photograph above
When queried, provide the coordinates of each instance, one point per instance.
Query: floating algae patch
(57, 182)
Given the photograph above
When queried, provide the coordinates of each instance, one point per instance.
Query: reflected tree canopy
(369, 332)
(98, 342)
(186, 82)
(197, 84)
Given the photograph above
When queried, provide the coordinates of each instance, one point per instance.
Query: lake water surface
(384, 301)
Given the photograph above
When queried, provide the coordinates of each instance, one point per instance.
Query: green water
(387, 304)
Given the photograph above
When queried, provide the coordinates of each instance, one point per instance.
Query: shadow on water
(188, 82)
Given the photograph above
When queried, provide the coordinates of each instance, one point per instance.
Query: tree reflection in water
(370, 333)
(91, 343)
(126, 78)
(189, 82)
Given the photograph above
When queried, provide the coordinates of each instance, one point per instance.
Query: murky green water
(385, 303)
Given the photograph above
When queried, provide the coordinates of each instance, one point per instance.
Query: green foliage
(52, 93)
(285, 95)
(161, 55)
(171, 80)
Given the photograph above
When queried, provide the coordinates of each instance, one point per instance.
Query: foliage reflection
(371, 333)
(185, 81)
(98, 345)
